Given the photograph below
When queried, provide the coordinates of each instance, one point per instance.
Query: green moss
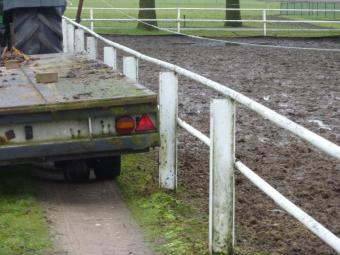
(23, 229)
(170, 224)
(239, 251)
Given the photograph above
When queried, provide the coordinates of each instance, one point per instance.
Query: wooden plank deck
(82, 83)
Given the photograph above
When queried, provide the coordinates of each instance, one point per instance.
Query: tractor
(32, 26)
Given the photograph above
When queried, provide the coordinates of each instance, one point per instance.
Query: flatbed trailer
(91, 114)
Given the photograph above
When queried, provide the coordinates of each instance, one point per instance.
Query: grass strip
(23, 229)
(170, 224)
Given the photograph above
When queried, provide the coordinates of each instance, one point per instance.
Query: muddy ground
(301, 85)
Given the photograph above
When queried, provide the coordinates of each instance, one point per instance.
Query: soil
(301, 85)
(88, 219)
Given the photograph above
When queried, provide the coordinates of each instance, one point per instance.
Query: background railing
(260, 21)
(223, 162)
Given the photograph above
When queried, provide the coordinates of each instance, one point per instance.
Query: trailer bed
(74, 118)
(82, 83)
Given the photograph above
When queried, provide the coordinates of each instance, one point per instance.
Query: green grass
(172, 225)
(23, 230)
(129, 28)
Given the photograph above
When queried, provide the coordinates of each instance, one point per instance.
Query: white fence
(175, 16)
(221, 141)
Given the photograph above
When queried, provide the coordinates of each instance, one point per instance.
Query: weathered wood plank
(80, 80)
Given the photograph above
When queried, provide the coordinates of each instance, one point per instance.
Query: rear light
(144, 124)
(125, 125)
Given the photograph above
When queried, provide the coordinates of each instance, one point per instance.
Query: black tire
(38, 30)
(76, 171)
(107, 168)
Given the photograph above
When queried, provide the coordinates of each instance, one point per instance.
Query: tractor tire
(107, 168)
(76, 171)
(38, 30)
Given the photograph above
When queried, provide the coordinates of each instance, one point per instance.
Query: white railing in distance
(178, 20)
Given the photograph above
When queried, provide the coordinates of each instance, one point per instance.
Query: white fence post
(264, 18)
(178, 20)
(64, 28)
(110, 57)
(79, 40)
(130, 68)
(91, 17)
(168, 101)
(222, 159)
(91, 48)
(70, 38)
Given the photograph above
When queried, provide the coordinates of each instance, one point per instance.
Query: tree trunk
(147, 14)
(233, 15)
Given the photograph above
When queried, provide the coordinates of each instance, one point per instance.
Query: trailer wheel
(76, 171)
(107, 168)
(38, 30)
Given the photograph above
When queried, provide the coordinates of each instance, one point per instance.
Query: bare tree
(147, 14)
(233, 14)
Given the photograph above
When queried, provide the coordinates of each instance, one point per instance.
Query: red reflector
(145, 124)
(125, 125)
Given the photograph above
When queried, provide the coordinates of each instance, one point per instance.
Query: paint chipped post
(91, 48)
(168, 104)
(70, 38)
(91, 19)
(64, 29)
(130, 68)
(110, 57)
(221, 194)
(264, 19)
(79, 41)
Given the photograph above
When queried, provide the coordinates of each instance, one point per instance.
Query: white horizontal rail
(218, 20)
(226, 29)
(249, 29)
(314, 226)
(198, 134)
(207, 9)
(279, 120)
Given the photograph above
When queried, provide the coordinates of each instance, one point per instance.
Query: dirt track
(302, 85)
(89, 219)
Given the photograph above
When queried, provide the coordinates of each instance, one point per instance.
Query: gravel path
(89, 219)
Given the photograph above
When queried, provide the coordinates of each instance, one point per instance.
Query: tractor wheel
(38, 30)
(107, 168)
